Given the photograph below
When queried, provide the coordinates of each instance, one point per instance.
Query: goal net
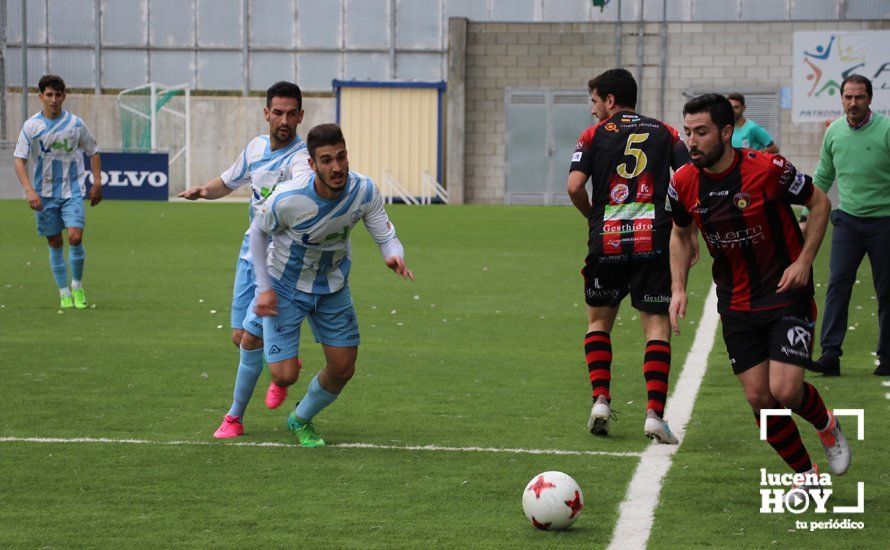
(155, 117)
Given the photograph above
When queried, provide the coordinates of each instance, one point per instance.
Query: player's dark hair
(716, 105)
(857, 79)
(735, 96)
(284, 89)
(55, 82)
(618, 82)
(323, 134)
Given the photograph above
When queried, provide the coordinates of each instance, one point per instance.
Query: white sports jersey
(264, 169)
(310, 235)
(58, 146)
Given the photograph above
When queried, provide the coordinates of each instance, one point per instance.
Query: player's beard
(288, 134)
(331, 187)
(706, 160)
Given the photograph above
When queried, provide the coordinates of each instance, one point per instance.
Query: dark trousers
(853, 237)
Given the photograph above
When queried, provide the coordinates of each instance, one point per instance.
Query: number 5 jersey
(628, 158)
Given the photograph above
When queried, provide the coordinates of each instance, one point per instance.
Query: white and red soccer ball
(552, 501)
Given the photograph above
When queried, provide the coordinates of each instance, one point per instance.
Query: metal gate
(543, 126)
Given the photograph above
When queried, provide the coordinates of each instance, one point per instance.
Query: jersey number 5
(637, 154)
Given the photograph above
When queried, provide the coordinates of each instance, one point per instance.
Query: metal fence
(246, 45)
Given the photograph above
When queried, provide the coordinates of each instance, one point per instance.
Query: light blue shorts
(57, 214)
(242, 292)
(331, 316)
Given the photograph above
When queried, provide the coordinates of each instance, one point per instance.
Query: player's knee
(287, 376)
(787, 395)
(237, 334)
(74, 240)
(343, 373)
(55, 241)
(759, 399)
(249, 341)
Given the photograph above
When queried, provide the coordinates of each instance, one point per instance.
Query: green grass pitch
(484, 349)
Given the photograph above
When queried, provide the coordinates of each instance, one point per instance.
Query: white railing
(432, 188)
(391, 187)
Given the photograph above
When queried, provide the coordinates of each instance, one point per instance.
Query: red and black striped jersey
(629, 157)
(746, 219)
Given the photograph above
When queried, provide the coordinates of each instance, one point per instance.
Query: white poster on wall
(822, 59)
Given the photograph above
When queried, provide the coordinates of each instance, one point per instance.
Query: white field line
(886, 383)
(637, 512)
(430, 448)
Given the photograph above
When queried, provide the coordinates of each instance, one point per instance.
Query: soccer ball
(552, 501)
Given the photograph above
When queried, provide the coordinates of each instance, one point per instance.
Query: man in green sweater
(856, 152)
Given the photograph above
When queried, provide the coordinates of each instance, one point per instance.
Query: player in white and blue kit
(56, 140)
(305, 272)
(267, 160)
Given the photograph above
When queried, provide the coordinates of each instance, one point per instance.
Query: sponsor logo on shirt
(619, 193)
(797, 185)
(611, 127)
(697, 208)
(735, 239)
(723, 193)
(672, 192)
(63, 145)
(627, 227)
(576, 156)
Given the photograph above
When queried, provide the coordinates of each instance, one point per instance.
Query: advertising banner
(822, 59)
(132, 176)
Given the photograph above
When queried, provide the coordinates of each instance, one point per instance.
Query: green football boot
(304, 431)
(80, 298)
(67, 302)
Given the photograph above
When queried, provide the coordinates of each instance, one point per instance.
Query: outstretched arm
(211, 190)
(384, 234)
(394, 256)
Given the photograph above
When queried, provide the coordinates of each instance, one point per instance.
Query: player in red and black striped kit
(741, 200)
(628, 157)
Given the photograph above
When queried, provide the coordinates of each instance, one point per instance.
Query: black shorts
(647, 277)
(783, 334)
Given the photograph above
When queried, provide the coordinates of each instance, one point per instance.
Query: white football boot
(599, 416)
(836, 447)
(657, 428)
